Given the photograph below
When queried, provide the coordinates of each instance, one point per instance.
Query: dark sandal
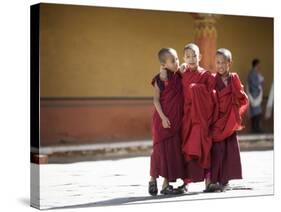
(152, 188)
(213, 187)
(181, 189)
(225, 187)
(168, 190)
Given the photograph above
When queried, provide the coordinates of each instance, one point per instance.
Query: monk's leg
(167, 188)
(207, 177)
(152, 179)
(184, 187)
(152, 186)
(165, 183)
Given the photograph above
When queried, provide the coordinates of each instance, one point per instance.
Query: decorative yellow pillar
(205, 36)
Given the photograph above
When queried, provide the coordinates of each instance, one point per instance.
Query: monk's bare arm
(156, 102)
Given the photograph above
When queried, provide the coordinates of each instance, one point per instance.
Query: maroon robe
(198, 88)
(225, 154)
(232, 104)
(166, 158)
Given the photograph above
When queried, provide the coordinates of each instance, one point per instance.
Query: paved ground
(124, 181)
(117, 150)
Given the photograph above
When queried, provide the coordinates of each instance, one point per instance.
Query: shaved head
(164, 53)
(193, 47)
(225, 53)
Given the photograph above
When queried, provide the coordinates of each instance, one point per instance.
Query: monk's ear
(230, 64)
(162, 65)
(200, 57)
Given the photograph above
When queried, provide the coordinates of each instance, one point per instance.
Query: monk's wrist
(163, 117)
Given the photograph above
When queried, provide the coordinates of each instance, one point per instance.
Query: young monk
(166, 158)
(198, 89)
(232, 104)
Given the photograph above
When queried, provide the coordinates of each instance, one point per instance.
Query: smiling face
(192, 58)
(172, 61)
(222, 65)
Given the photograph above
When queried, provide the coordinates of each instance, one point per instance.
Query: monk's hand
(166, 123)
(163, 73)
(183, 67)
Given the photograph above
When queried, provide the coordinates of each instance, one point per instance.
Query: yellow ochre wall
(88, 51)
(92, 51)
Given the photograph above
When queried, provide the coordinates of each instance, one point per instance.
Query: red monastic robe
(166, 158)
(232, 104)
(199, 104)
(171, 100)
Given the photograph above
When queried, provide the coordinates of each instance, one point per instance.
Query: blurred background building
(96, 65)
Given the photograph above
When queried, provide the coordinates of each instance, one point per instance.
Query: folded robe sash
(199, 106)
(232, 103)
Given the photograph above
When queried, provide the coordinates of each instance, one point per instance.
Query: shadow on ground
(129, 201)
